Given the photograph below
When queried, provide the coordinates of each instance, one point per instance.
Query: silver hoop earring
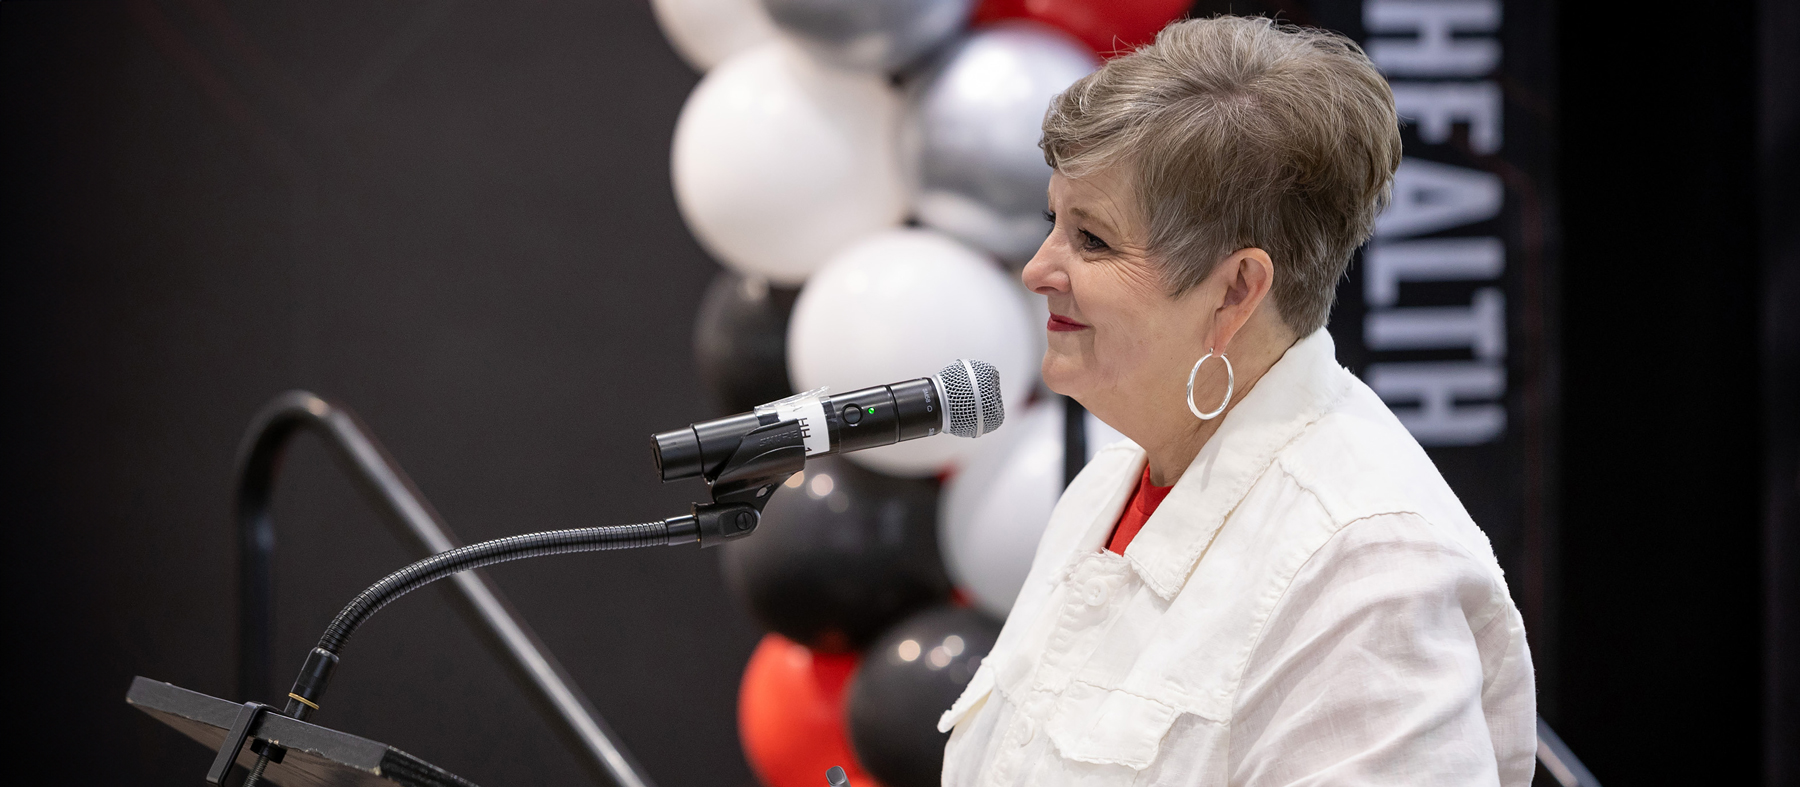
(1230, 383)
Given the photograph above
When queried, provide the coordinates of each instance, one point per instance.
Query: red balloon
(791, 714)
(1111, 27)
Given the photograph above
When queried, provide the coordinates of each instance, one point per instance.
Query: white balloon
(901, 304)
(780, 162)
(995, 509)
(706, 32)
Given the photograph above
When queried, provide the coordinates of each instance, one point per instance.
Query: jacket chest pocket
(1100, 726)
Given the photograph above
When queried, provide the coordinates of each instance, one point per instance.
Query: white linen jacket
(1310, 605)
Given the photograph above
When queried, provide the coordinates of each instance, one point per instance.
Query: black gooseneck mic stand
(739, 489)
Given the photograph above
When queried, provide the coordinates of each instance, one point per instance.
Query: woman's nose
(1042, 275)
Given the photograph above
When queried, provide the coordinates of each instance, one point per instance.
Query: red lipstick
(1060, 323)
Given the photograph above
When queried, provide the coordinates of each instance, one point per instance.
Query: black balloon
(740, 341)
(908, 678)
(841, 554)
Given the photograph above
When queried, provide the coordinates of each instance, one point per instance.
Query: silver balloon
(871, 35)
(972, 132)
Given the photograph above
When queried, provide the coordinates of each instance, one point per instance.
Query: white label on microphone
(809, 409)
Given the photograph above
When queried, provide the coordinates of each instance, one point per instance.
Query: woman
(1269, 583)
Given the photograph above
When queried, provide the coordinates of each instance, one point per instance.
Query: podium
(315, 756)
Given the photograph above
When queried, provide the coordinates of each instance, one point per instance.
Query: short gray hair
(1241, 132)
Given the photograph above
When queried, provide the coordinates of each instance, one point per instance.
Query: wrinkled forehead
(1102, 195)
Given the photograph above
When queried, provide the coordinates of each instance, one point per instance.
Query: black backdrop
(456, 218)
(1661, 636)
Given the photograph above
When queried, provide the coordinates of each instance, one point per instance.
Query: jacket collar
(1296, 391)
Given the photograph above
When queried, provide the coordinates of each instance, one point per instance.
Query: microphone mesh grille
(972, 404)
(960, 411)
(987, 388)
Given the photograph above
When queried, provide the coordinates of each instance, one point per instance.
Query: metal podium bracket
(234, 742)
(413, 520)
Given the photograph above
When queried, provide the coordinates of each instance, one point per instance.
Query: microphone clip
(764, 459)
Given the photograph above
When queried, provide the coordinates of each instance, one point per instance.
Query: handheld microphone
(962, 399)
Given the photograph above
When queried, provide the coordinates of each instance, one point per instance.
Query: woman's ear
(1245, 278)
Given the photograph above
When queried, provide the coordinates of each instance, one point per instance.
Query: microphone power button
(853, 414)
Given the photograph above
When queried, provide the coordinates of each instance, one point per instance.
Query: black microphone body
(865, 418)
(962, 399)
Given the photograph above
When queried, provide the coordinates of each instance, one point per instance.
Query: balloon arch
(867, 171)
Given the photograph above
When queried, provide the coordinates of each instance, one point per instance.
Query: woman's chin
(1062, 375)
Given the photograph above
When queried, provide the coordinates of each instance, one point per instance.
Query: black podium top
(315, 755)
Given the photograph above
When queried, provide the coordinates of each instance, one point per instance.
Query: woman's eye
(1091, 242)
(1050, 217)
